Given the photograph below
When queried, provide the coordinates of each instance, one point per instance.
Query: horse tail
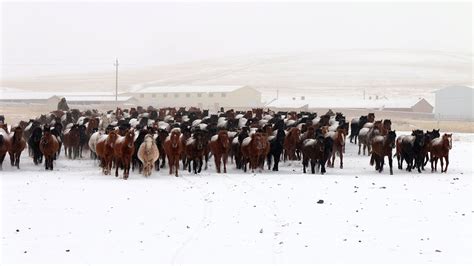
(372, 159)
(1, 140)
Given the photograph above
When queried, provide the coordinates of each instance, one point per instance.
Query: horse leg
(206, 159)
(390, 163)
(313, 166)
(12, 158)
(442, 163)
(18, 155)
(170, 164)
(340, 157)
(224, 161)
(176, 166)
(382, 162)
(276, 161)
(447, 163)
(200, 165)
(217, 162)
(116, 167)
(269, 160)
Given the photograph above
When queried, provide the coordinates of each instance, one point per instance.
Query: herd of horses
(144, 139)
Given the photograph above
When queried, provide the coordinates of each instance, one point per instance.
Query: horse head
(448, 140)
(391, 137)
(223, 138)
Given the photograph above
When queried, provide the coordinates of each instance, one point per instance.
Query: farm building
(10, 95)
(207, 97)
(416, 105)
(454, 103)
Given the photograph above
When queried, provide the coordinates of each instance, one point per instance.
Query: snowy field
(76, 215)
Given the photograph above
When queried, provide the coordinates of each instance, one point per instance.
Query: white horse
(148, 154)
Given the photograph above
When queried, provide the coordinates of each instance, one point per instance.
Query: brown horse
(382, 146)
(338, 138)
(439, 149)
(254, 150)
(4, 143)
(105, 151)
(18, 144)
(291, 143)
(123, 151)
(220, 149)
(49, 146)
(194, 151)
(71, 142)
(173, 149)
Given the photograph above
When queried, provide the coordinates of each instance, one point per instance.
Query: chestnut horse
(173, 149)
(49, 146)
(18, 144)
(105, 151)
(338, 138)
(220, 149)
(440, 149)
(291, 143)
(254, 150)
(382, 146)
(123, 151)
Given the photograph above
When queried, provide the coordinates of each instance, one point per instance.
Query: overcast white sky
(62, 37)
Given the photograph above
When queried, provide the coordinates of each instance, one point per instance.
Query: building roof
(325, 102)
(185, 88)
(99, 98)
(455, 88)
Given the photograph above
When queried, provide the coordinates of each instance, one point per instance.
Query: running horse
(4, 142)
(18, 144)
(123, 151)
(439, 149)
(173, 148)
(49, 146)
(220, 146)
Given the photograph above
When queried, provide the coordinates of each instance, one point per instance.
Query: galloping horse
(254, 150)
(18, 144)
(105, 151)
(382, 146)
(220, 148)
(290, 144)
(338, 138)
(440, 148)
(173, 149)
(123, 152)
(148, 153)
(194, 151)
(49, 146)
(71, 142)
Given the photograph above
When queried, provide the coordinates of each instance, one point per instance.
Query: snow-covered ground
(76, 215)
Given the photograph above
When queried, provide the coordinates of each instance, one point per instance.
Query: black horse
(34, 145)
(276, 149)
(356, 125)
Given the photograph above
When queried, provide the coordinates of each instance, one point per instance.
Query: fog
(53, 38)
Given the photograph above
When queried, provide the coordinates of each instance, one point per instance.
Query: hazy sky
(47, 38)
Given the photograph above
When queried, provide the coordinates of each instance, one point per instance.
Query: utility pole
(116, 79)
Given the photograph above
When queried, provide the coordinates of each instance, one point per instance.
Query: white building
(454, 103)
(205, 97)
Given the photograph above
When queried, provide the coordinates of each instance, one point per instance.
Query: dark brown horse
(382, 146)
(440, 148)
(317, 151)
(173, 149)
(71, 142)
(18, 144)
(105, 151)
(123, 152)
(220, 146)
(194, 151)
(49, 146)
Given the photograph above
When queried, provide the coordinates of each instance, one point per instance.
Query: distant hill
(345, 71)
